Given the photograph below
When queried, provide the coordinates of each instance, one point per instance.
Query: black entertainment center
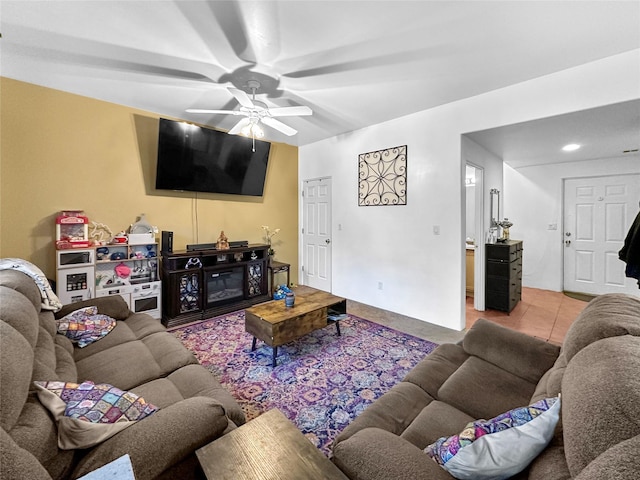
(203, 283)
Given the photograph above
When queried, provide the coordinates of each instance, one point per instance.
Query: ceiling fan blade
(237, 128)
(202, 110)
(229, 17)
(278, 125)
(118, 59)
(300, 110)
(242, 97)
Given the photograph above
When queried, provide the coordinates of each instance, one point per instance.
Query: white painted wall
(423, 273)
(542, 186)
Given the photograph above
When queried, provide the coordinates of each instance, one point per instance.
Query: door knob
(327, 241)
(568, 234)
(567, 242)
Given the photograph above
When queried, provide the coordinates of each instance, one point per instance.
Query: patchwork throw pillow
(88, 414)
(85, 326)
(501, 447)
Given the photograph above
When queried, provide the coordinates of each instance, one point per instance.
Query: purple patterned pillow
(500, 447)
(87, 413)
(85, 326)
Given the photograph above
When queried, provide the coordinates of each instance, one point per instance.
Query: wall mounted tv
(198, 159)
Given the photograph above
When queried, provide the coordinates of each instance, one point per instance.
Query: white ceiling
(602, 133)
(355, 63)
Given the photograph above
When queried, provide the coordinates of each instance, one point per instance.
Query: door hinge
(303, 193)
(303, 268)
(302, 229)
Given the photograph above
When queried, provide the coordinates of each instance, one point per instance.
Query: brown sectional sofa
(137, 355)
(493, 370)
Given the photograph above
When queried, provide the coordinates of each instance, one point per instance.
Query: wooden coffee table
(268, 447)
(275, 324)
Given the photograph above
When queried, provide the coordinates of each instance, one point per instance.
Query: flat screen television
(198, 159)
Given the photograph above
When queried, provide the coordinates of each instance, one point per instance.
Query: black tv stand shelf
(200, 284)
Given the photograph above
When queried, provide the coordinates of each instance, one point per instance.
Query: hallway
(541, 313)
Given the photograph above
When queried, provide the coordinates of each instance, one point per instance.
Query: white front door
(316, 234)
(597, 215)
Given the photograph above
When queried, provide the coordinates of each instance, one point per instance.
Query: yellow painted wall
(63, 151)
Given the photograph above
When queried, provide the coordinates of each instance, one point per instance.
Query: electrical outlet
(379, 285)
(553, 226)
(436, 229)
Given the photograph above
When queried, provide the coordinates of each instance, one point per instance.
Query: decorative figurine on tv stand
(223, 242)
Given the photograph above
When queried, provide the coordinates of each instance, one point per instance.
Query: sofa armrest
(375, 454)
(16, 463)
(113, 306)
(522, 355)
(161, 440)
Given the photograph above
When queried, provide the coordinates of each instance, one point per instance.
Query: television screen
(199, 159)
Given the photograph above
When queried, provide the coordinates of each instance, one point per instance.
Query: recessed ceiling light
(571, 147)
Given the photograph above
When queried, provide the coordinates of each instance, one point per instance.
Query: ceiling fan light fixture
(256, 112)
(253, 130)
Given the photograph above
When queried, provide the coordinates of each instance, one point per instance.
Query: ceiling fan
(256, 112)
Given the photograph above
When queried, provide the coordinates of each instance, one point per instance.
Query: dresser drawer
(507, 270)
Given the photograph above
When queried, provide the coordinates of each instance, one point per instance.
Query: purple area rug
(321, 382)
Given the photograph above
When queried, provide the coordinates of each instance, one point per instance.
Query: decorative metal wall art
(382, 177)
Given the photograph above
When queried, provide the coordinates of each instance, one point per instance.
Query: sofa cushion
(44, 362)
(169, 353)
(17, 311)
(37, 432)
(376, 454)
(522, 355)
(16, 364)
(195, 380)
(431, 372)
(113, 305)
(551, 382)
(609, 315)
(17, 463)
(601, 399)
(23, 284)
(88, 414)
(85, 326)
(551, 464)
(161, 392)
(498, 448)
(65, 365)
(483, 390)
(187, 382)
(136, 327)
(46, 320)
(125, 366)
(620, 462)
(393, 411)
(436, 420)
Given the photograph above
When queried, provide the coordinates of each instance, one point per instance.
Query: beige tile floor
(541, 313)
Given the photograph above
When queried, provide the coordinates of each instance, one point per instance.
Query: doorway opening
(474, 234)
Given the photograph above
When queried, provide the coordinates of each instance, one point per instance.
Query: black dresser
(503, 289)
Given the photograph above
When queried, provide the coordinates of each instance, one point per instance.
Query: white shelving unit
(131, 271)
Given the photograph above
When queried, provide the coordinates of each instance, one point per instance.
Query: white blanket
(50, 301)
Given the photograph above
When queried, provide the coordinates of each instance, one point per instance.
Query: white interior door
(598, 212)
(316, 234)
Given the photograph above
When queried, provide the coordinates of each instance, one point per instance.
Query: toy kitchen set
(93, 262)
